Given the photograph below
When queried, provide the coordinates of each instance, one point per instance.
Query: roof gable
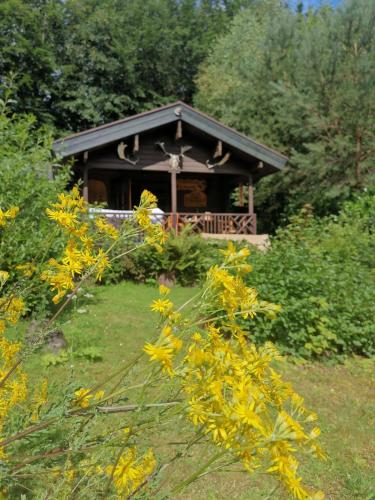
(97, 137)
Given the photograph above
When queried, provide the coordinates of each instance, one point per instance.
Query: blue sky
(316, 3)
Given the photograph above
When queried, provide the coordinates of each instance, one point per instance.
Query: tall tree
(29, 32)
(304, 83)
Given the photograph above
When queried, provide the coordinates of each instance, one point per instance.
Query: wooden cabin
(190, 161)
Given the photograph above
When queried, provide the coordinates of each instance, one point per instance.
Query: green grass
(117, 321)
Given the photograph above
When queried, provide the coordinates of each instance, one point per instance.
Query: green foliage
(91, 353)
(303, 83)
(51, 359)
(30, 32)
(322, 272)
(25, 164)
(185, 259)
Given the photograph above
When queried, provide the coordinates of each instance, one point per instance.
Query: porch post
(174, 198)
(251, 196)
(251, 204)
(86, 183)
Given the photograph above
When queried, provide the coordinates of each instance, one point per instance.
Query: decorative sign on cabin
(196, 197)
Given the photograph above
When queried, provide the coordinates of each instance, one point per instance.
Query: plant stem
(198, 473)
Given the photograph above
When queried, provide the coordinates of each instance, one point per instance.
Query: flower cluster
(7, 215)
(233, 393)
(130, 472)
(83, 397)
(237, 398)
(80, 255)
(106, 228)
(13, 390)
(165, 349)
(27, 269)
(154, 232)
(11, 309)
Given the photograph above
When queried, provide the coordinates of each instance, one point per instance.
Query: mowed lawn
(116, 321)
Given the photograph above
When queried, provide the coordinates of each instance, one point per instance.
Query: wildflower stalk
(198, 473)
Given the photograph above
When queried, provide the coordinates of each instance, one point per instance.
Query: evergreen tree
(303, 83)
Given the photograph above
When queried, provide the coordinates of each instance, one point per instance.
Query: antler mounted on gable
(121, 154)
(218, 154)
(219, 163)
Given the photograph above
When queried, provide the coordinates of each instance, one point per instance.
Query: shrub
(322, 273)
(26, 163)
(185, 259)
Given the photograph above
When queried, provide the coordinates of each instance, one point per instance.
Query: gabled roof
(120, 129)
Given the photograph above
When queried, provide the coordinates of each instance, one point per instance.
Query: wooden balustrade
(212, 223)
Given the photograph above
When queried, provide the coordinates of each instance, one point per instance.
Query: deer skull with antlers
(175, 160)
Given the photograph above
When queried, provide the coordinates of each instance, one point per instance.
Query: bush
(185, 260)
(25, 164)
(322, 273)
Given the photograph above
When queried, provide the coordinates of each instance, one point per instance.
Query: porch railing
(207, 222)
(214, 223)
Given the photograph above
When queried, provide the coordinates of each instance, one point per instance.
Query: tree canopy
(80, 63)
(303, 83)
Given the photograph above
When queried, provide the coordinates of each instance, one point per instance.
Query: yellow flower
(197, 337)
(163, 306)
(65, 219)
(11, 309)
(83, 397)
(164, 290)
(197, 412)
(99, 395)
(11, 213)
(161, 354)
(246, 414)
(130, 473)
(27, 269)
(106, 228)
(102, 263)
(148, 199)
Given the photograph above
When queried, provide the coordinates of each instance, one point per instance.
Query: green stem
(198, 473)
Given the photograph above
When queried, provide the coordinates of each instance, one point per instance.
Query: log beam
(178, 130)
(136, 144)
(218, 150)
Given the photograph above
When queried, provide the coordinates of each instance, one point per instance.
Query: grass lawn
(117, 321)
